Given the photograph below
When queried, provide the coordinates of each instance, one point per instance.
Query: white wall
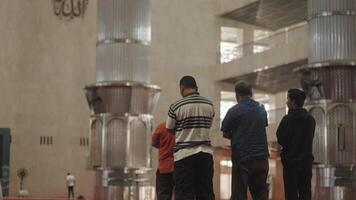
(45, 62)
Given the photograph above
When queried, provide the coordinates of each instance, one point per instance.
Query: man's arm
(313, 124)
(156, 137)
(227, 125)
(264, 113)
(227, 135)
(171, 121)
(282, 131)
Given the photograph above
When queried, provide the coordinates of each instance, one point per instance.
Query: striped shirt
(191, 119)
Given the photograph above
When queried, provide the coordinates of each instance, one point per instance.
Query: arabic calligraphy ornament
(68, 9)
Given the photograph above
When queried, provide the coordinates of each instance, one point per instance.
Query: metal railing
(291, 34)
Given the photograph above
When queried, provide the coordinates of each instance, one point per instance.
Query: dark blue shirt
(246, 124)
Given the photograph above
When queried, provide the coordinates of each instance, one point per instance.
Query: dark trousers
(252, 174)
(297, 182)
(193, 177)
(164, 185)
(70, 191)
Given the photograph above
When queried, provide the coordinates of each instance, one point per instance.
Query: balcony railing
(288, 35)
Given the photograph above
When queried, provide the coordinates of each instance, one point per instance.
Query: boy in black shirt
(295, 134)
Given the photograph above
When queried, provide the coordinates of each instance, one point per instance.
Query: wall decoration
(69, 9)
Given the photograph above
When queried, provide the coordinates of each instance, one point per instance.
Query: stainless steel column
(122, 101)
(330, 83)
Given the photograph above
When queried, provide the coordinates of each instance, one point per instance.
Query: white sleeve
(170, 123)
(171, 119)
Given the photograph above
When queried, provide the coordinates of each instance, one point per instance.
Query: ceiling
(273, 80)
(271, 14)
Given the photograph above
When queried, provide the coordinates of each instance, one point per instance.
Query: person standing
(295, 134)
(245, 125)
(190, 119)
(164, 142)
(70, 185)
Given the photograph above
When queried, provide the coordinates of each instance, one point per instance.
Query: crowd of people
(186, 155)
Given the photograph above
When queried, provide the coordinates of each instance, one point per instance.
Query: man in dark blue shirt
(245, 125)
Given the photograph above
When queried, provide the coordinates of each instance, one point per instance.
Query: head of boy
(295, 98)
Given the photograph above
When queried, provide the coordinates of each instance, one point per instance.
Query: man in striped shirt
(190, 120)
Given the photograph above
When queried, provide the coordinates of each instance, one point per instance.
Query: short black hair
(188, 82)
(298, 96)
(243, 88)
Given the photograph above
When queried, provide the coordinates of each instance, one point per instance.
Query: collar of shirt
(296, 110)
(190, 94)
(246, 99)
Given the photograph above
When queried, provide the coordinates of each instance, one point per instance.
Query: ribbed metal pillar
(332, 25)
(330, 83)
(122, 102)
(124, 36)
(332, 48)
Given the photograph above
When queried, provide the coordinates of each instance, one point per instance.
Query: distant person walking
(245, 125)
(70, 185)
(164, 142)
(295, 134)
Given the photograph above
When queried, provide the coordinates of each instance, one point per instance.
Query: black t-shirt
(295, 134)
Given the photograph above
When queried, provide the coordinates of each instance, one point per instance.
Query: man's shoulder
(311, 119)
(257, 104)
(310, 116)
(206, 100)
(190, 99)
(235, 108)
(288, 117)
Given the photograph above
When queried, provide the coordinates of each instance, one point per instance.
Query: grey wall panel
(318, 6)
(140, 144)
(116, 143)
(96, 143)
(332, 38)
(124, 19)
(341, 137)
(126, 28)
(320, 137)
(120, 61)
(336, 83)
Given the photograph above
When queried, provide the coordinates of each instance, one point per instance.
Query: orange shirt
(164, 141)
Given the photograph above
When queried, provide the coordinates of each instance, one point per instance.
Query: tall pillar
(330, 83)
(122, 101)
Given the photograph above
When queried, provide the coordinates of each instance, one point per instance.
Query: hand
(227, 135)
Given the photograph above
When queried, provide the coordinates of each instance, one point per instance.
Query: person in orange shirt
(164, 142)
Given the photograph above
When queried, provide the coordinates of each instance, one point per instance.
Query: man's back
(295, 134)
(247, 123)
(164, 141)
(193, 117)
(190, 120)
